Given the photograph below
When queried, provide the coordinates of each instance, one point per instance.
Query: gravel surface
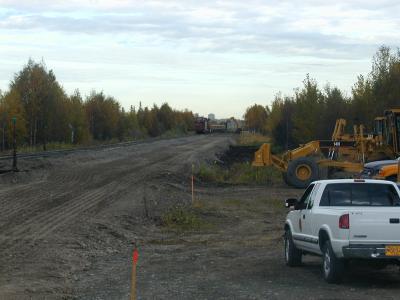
(68, 226)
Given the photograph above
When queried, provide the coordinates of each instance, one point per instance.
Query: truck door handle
(394, 221)
(304, 216)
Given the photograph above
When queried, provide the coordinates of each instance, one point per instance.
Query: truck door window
(305, 198)
(325, 197)
(310, 200)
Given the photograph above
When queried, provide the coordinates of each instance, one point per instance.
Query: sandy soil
(68, 226)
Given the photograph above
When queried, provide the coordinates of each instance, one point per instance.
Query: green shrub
(182, 218)
(211, 173)
(174, 133)
(239, 173)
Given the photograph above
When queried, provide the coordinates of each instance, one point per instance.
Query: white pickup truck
(343, 220)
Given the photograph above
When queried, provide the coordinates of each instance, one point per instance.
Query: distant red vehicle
(201, 125)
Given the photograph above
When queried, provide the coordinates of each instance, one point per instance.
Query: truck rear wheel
(332, 267)
(302, 171)
(292, 254)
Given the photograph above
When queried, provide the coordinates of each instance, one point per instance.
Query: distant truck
(343, 220)
(382, 169)
(201, 125)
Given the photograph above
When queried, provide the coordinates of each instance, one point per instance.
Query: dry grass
(255, 205)
(184, 219)
(247, 138)
(239, 173)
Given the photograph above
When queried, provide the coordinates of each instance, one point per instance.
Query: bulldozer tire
(284, 177)
(302, 171)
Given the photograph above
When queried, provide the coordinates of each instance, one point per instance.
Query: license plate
(393, 250)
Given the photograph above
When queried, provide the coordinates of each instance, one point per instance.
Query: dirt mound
(237, 154)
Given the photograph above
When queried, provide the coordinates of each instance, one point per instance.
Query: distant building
(232, 125)
(211, 116)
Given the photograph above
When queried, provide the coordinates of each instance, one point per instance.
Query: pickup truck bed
(349, 219)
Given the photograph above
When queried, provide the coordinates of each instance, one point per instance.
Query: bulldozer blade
(262, 157)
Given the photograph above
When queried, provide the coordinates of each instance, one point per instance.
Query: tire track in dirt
(5, 194)
(58, 183)
(43, 219)
(25, 201)
(57, 188)
(46, 222)
(43, 223)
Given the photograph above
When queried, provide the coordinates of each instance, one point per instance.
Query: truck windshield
(362, 194)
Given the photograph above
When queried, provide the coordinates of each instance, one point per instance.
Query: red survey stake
(135, 256)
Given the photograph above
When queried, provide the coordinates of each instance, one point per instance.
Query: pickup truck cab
(343, 220)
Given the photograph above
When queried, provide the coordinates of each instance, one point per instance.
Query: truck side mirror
(300, 206)
(291, 202)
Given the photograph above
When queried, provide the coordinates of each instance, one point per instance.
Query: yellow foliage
(248, 138)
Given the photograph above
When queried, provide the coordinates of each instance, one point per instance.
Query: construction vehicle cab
(379, 126)
(392, 130)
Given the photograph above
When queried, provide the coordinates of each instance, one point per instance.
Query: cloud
(296, 27)
(237, 43)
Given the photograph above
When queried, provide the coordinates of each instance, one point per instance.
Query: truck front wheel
(292, 254)
(332, 267)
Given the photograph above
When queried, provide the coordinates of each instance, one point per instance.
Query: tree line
(45, 114)
(310, 113)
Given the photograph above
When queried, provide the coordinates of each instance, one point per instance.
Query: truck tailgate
(379, 225)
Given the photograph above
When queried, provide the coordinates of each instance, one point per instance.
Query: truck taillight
(344, 221)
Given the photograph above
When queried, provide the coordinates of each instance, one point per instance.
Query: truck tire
(292, 255)
(332, 267)
(302, 171)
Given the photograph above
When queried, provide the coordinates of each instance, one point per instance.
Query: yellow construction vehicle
(344, 152)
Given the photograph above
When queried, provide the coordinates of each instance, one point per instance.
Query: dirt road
(68, 227)
(241, 256)
(65, 213)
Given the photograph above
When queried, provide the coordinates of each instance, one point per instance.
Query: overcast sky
(208, 56)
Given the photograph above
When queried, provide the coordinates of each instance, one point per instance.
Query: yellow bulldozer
(320, 159)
